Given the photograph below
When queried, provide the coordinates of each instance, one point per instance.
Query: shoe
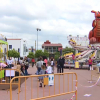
(44, 85)
(40, 85)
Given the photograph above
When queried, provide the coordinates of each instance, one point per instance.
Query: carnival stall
(3, 48)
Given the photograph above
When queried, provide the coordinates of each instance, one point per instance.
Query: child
(49, 68)
(42, 71)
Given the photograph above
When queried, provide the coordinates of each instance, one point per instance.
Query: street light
(38, 29)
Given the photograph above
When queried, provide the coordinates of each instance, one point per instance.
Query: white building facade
(18, 44)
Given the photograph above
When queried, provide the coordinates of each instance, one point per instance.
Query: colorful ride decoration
(68, 55)
(3, 48)
(94, 34)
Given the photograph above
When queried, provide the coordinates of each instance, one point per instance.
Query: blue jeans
(73, 62)
(26, 73)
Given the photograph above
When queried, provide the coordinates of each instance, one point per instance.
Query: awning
(3, 42)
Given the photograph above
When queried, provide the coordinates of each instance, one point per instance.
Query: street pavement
(34, 91)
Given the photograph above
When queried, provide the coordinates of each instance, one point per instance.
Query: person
(38, 65)
(33, 61)
(73, 58)
(52, 64)
(41, 59)
(58, 65)
(49, 68)
(21, 60)
(18, 67)
(61, 62)
(3, 65)
(26, 63)
(45, 61)
(69, 64)
(10, 62)
(42, 71)
(23, 68)
(90, 63)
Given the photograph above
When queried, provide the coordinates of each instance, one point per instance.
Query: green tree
(31, 55)
(38, 53)
(68, 50)
(45, 53)
(57, 55)
(13, 53)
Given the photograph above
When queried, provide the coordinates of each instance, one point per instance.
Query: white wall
(18, 43)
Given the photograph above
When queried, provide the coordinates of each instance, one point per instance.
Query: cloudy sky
(56, 18)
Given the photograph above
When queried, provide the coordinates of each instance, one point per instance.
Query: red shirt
(73, 57)
(33, 60)
(90, 61)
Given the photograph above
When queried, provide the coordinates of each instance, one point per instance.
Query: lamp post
(38, 29)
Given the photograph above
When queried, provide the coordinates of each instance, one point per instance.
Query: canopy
(3, 42)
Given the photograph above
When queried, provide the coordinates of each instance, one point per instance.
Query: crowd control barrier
(54, 85)
(5, 77)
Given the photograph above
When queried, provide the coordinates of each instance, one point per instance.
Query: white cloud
(56, 18)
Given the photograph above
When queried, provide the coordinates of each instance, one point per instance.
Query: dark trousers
(61, 69)
(58, 68)
(32, 64)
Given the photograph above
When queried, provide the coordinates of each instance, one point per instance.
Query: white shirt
(21, 61)
(51, 62)
(9, 61)
(49, 70)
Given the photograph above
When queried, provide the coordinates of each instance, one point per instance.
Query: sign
(76, 64)
(51, 79)
(10, 73)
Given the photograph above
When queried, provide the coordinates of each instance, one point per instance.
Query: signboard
(51, 79)
(10, 73)
(76, 64)
(77, 38)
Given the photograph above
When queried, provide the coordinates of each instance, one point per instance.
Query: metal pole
(37, 39)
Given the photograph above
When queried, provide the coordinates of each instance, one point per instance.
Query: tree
(38, 53)
(68, 50)
(31, 55)
(13, 53)
(57, 55)
(45, 53)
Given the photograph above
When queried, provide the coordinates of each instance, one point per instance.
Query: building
(51, 47)
(18, 44)
(31, 50)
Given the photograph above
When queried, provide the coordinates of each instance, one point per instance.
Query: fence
(6, 75)
(63, 84)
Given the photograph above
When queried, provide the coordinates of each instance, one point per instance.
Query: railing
(6, 75)
(64, 83)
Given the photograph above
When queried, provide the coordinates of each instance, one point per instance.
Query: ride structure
(3, 48)
(93, 49)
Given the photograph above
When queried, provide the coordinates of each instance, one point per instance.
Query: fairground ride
(93, 49)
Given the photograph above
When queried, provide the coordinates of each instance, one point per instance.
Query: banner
(2, 74)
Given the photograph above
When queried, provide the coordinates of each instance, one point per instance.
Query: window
(10, 46)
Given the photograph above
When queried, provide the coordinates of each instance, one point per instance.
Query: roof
(52, 44)
(3, 42)
(13, 39)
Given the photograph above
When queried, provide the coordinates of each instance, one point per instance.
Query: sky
(57, 19)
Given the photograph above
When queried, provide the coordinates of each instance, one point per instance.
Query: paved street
(83, 77)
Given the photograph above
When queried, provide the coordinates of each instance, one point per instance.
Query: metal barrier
(7, 74)
(62, 82)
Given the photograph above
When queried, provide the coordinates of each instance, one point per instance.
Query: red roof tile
(52, 44)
